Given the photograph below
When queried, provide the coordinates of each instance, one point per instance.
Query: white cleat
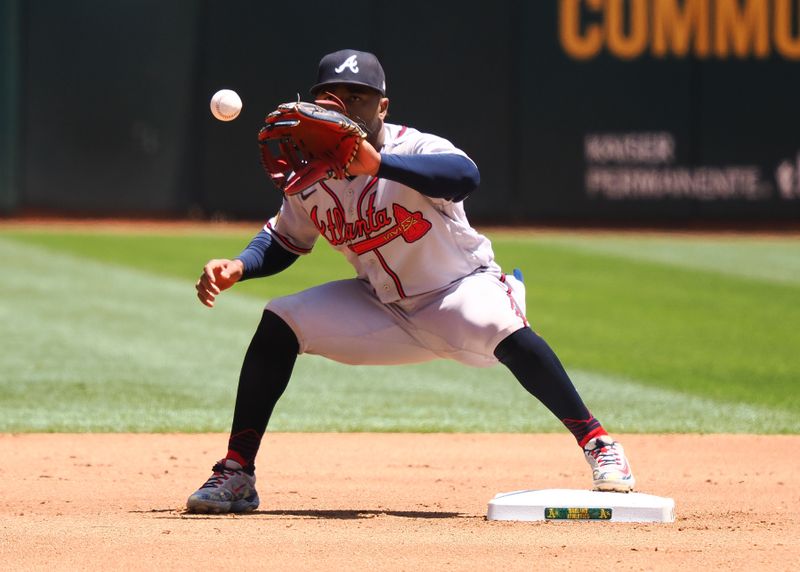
(610, 468)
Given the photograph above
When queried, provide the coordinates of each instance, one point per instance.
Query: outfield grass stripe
(92, 346)
(631, 406)
(706, 333)
(767, 259)
(445, 396)
(87, 342)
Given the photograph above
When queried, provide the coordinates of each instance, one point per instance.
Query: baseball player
(426, 287)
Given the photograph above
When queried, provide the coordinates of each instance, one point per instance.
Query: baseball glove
(304, 143)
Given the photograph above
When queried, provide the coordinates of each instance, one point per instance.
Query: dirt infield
(390, 502)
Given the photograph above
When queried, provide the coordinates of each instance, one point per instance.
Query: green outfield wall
(575, 110)
(10, 31)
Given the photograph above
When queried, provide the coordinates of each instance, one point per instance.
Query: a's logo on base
(554, 513)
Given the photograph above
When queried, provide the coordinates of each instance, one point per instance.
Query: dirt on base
(390, 502)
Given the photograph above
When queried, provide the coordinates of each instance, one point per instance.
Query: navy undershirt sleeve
(265, 257)
(441, 175)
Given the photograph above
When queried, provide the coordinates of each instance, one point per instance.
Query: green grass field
(102, 332)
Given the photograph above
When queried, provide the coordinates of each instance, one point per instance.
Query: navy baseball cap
(351, 66)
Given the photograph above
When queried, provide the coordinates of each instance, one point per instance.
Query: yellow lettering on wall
(674, 29)
(747, 29)
(632, 44)
(786, 44)
(581, 45)
(720, 29)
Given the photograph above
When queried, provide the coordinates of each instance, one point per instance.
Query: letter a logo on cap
(351, 63)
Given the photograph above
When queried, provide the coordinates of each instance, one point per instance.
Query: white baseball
(226, 105)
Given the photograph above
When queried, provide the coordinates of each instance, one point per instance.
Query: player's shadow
(342, 514)
(347, 514)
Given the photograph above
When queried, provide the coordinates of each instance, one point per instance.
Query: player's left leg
(540, 372)
(481, 320)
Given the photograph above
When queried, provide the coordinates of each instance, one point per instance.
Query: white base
(573, 504)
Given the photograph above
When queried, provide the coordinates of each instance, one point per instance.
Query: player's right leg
(230, 488)
(264, 376)
(340, 320)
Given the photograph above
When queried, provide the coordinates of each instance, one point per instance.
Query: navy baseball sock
(540, 372)
(265, 374)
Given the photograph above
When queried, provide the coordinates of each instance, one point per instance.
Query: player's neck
(378, 139)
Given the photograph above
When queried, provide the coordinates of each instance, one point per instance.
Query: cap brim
(321, 85)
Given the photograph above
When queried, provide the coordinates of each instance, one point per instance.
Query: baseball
(226, 105)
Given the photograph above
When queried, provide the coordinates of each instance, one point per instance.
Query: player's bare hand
(367, 160)
(218, 275)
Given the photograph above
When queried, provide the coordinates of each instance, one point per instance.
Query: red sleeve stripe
(285, 242)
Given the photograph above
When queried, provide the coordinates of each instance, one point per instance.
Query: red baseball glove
(304, 143)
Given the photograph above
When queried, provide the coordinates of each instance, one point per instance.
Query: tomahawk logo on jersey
(337, 230)
(389, 232)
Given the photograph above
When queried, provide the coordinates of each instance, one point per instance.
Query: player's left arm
(445, 174)
(440, 175)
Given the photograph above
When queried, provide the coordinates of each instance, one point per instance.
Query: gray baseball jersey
(427, 285)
